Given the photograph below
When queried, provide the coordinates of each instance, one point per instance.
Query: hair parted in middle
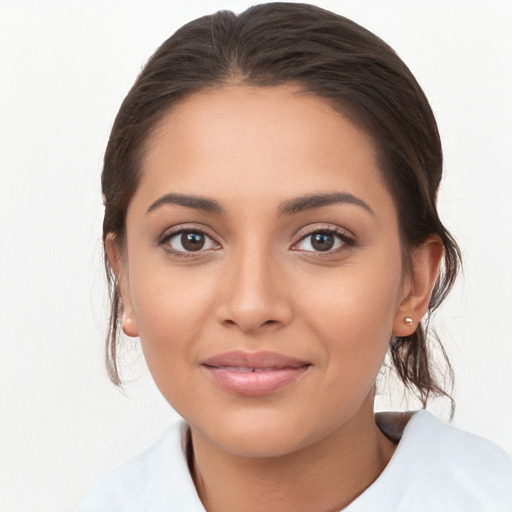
(325, 55)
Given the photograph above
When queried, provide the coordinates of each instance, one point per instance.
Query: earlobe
(130, 326)
(425, 261)
(129, 322)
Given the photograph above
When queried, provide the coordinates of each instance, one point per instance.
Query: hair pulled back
(328, 56)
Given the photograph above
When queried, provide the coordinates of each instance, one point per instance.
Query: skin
(258, 284)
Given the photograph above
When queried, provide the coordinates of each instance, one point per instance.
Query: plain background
(64, 69)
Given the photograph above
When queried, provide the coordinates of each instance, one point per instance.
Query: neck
(325, 476)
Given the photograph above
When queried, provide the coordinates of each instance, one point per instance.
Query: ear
(119, 267)
(418, 285)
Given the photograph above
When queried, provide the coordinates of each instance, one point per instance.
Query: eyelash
(342, 236)
(169, 235)
(346, 240)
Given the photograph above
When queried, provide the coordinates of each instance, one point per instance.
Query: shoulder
(439, 467)
(158, 475)
(478, 456)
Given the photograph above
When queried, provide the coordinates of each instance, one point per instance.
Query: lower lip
(255, 383)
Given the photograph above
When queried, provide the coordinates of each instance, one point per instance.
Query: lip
(254, 374)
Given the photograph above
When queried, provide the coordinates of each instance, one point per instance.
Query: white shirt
(435, 468)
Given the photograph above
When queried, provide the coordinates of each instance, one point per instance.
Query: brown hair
(326, 55)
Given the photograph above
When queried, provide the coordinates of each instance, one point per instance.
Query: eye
(324, 240)
(189, 240)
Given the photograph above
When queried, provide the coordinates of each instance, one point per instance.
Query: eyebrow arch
(312, 201)
(198, 203)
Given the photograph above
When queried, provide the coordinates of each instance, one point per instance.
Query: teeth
(241, 369)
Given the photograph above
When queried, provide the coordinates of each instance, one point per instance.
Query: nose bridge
(252, 293)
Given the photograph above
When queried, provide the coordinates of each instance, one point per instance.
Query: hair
(328, 56)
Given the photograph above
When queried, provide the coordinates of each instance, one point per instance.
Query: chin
(260, 434)
(255, 443)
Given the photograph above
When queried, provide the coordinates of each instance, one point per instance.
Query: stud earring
(408, 320)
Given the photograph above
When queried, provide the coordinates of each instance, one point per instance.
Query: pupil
(192, 241)
(322, 241)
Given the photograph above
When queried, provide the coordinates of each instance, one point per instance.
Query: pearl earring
(408, 320)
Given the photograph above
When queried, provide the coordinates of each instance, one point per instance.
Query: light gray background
(64, 69)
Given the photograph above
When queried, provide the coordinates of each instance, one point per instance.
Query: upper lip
(266, 359)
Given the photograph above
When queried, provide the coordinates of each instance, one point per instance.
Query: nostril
(250, 327)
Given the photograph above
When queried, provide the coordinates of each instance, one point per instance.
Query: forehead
(242, 141)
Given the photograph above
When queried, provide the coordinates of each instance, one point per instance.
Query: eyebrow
(312, 201)
(296, 205)
(198, 203)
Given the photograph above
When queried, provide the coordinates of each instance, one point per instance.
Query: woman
(271, 233)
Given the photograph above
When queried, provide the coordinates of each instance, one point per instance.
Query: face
(262, 268)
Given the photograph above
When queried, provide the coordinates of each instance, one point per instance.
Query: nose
(254, 294)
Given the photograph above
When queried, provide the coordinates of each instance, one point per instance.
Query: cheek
(354, 325)
(352, 311)
(168, 298)
(171, 310)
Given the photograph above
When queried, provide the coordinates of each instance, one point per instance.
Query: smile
(255, 374)
(247, 369)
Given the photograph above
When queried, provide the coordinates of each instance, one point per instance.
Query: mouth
(254, 374)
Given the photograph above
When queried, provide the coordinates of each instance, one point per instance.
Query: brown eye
(190, 241)
(322, 241)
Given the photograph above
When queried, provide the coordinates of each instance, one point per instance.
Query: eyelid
(345, 235)
(183, 228)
